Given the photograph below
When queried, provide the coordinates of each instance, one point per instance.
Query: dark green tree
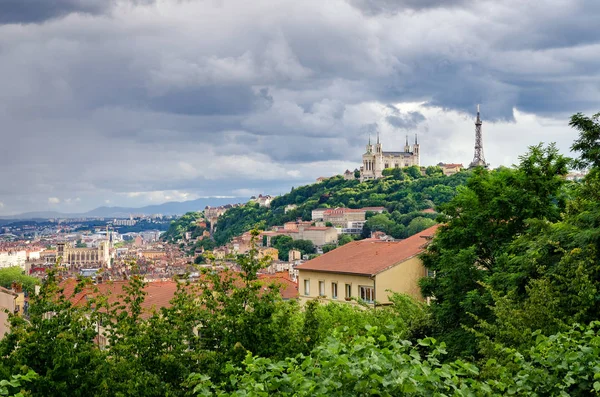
(480, 223)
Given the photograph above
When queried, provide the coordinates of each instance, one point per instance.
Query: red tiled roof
(158, 294)
(428, 211)
(452, 165)
(287, 287)
(369, 257)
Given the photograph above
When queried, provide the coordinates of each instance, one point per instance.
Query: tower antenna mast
(478, 157)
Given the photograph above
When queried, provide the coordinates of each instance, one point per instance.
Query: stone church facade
(375, 160)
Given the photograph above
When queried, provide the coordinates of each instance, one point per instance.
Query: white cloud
(161, 196)
(53, 200)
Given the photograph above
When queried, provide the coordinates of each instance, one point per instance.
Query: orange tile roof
(370, 256)
(287, 287)
(158, 294)
(452, 165)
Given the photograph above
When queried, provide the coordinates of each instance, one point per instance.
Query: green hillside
(185, 223)
(404, 192)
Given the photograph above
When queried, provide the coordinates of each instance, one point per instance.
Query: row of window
(366, 293)
(396, 165)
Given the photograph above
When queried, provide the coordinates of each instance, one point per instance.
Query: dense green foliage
(212, 323)
(183, 224)
(565, 364)
(519, 252)
(15, 274)
(514, 311)
(16, 382)
(402, 191)
(285, 243)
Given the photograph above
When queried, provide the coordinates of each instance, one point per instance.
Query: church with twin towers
(375, 160)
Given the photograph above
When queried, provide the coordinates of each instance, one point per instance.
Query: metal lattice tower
(478, 158)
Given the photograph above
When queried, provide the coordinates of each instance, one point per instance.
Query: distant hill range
(169, 208)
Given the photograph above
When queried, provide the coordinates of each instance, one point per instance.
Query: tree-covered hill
(185, 223)
(402, 192)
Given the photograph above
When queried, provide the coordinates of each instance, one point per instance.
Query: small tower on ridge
(478, 158)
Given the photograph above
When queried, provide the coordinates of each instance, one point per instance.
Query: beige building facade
(366, 270)
(318, 235)
(8, 302)
(84, 256)
(375, 160)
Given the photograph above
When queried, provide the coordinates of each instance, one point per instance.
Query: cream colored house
(450, 169)
(318, 235)
(268, 252)
(8, 302)
(366, 269)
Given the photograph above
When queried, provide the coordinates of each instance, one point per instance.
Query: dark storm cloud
(38, 11)
(35, 11)
(375, 7)
(405, 121)
(208, 100)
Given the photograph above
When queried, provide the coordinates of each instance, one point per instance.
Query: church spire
(406, 140)
(378, 137)
(416, 141)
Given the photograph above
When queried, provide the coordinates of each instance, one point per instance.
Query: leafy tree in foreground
(480, 223)
(375, 364)
(14, 274)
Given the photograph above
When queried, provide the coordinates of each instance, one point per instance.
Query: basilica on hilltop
(375, 160)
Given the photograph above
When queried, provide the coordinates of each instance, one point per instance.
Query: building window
(334, 290)
(306, 287)
(348, 291)
(430, 273)
(387, 165)
(321, 288)
(367, 293)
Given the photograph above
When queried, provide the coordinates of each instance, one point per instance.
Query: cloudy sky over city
(135, 102)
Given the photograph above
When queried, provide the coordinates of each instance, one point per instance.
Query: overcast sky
(123, 102)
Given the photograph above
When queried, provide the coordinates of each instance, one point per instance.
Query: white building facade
(375, 160)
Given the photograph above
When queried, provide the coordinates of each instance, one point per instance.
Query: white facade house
(13, 258)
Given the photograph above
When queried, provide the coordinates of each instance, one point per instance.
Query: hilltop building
(212, 214)
(450, 168)
(375, 160)
(263, 201)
